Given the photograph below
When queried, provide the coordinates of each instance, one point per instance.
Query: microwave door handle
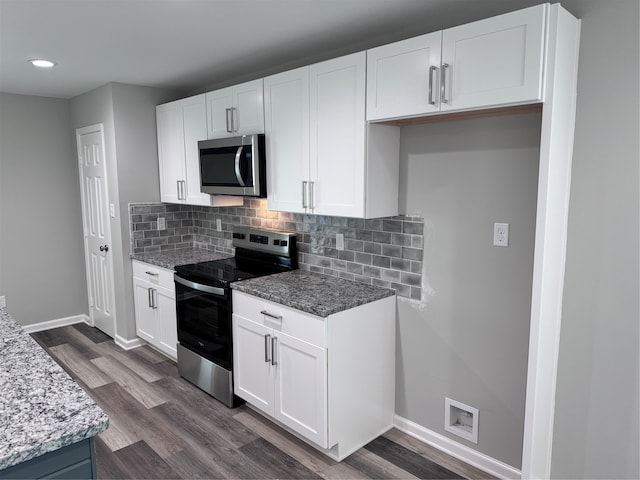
(238, 174)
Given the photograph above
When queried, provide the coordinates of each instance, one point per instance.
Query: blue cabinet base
(73, 461)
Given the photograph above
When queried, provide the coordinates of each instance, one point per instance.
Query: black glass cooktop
(222, 272)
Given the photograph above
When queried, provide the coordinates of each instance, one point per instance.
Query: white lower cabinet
(155, 307)
(329, 380)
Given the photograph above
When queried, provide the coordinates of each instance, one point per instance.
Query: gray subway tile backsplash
(385, 252)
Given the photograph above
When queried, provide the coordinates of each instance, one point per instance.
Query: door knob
(104, 248)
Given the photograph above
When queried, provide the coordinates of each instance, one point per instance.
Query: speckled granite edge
(42, 409)
(314, 293)
(171, 258)
(8, 326)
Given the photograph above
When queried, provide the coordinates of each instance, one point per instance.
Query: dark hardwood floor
(161, 426)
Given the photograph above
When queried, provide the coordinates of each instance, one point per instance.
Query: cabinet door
(248, 116)
(165, 311)
(301, 387)
(169, 123)
(219, 103)
(195, 128)
(337, 139)
(253, 377)
(146, 327)
(497, 61)
(286, 107)
(399, 78)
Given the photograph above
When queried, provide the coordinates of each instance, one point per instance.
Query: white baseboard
(129, 344)
(60, 322)
(457, 450)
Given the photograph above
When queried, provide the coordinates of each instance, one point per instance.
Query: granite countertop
(42, 408)
(314, 293)
(170, 258)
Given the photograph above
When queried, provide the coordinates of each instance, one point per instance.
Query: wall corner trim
(129, 344)
(457, 450)
(60, 322)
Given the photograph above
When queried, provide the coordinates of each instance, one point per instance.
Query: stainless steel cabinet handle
(150, 296)
(151, 273)
(443, 81)
(312, 195)
(237, 166)
(234, 127)
(276, 317)
(267, 342)
(274, 347)
(432, 72)
(304, 194)
(178, 190)
(184, 189)
(229, 113)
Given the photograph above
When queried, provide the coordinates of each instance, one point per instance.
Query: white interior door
(97, 231)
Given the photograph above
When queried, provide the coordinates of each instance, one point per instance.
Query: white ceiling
(188, 45)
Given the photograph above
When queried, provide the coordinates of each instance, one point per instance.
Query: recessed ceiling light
(38, 62)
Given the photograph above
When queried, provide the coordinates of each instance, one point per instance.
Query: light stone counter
(41, 408)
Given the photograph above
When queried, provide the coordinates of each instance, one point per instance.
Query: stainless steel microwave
(233, 166)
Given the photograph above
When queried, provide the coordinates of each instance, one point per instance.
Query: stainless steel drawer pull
(432, 73)
(312, 195)
(155, 274)
(304, 194)
(274, 347)
(229, 113)
(267, 341)
(443, 80)
(276, 317)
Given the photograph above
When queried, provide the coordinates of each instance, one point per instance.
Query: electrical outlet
(3, 302)
(339, 241)
(500, 234)
(162, 224)
(218, 224)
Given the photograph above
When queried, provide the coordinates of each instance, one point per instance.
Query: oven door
(204, 320)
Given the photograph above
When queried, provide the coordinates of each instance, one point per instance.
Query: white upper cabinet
(181, 124)
(286, 111)
(337, 136)
(320, 160)
(236, 110)
(402, 77)
(488, 63)
(497, 61)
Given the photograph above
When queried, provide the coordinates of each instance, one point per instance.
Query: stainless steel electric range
(203, 304)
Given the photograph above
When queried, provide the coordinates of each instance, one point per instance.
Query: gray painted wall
(134, 109)
(469, 339)
(128, 115)
(596, 422)
(41, 272)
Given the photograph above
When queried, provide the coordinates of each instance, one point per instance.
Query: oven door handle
(199, 286)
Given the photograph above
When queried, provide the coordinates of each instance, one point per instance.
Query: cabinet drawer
(306, 327)
(156, 275)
